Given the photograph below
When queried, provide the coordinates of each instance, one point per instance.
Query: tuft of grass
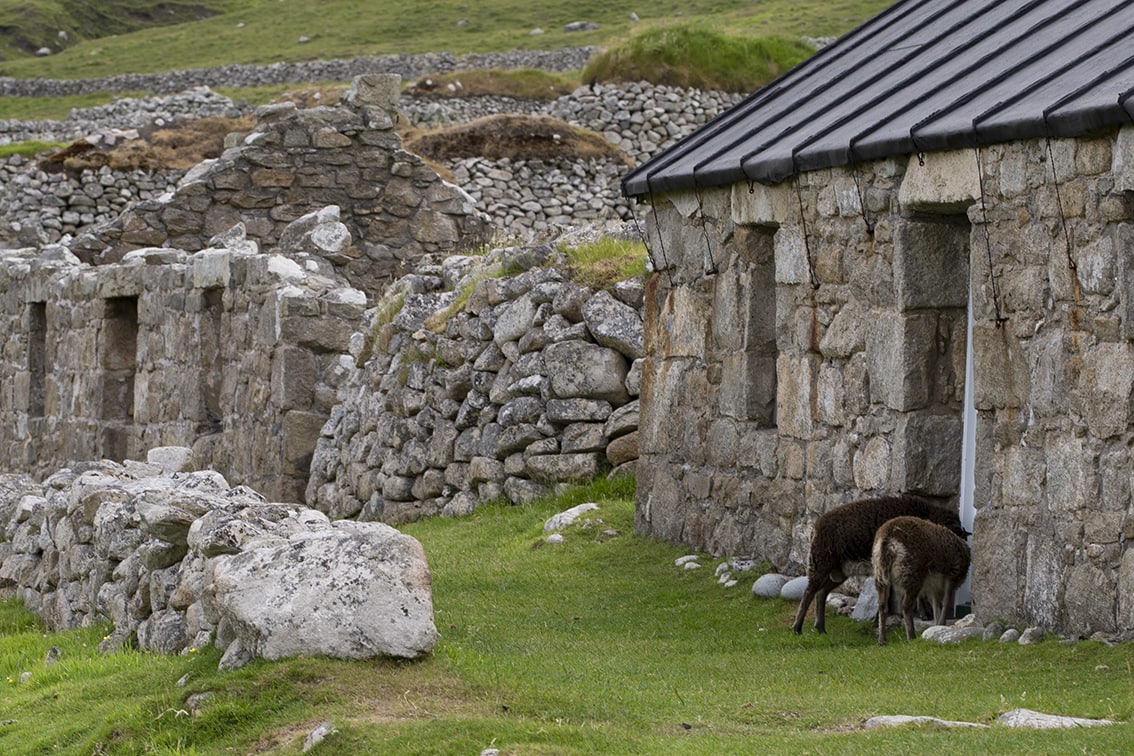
(696, 57)
(523, 84)
(599, 644)
(381, 331)
(29, 148)
(605, 262)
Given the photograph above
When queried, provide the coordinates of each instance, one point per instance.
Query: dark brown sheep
(842, 539)
(915, 558)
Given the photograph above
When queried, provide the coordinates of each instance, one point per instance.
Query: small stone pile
(179, 559)
(531, 382)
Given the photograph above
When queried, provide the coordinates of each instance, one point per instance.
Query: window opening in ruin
(118, 359)
(37, 359)
(757, 250)
(209, 416)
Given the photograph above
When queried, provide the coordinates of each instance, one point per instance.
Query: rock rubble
(179, 559)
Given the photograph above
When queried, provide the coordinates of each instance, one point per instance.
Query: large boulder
(350, 591)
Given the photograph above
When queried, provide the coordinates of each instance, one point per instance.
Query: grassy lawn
(596, 645)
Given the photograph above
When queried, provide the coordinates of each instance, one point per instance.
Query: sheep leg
(801, 613)
(883, 610)
(817, 590)
(909, 605)
(949, 609)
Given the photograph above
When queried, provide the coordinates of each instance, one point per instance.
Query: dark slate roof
(923, 75)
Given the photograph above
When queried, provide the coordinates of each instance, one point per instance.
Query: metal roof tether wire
(714, 267)
(1059, 201)
(861, 197)
(999, 318)
(661, 238)
(803, 225)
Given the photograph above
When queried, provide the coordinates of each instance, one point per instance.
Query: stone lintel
(762, 205)
(948, 182)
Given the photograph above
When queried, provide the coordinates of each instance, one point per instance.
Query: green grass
(605, 262)
(596, 645)
(735, 45)
(28, 149)
(267, 31)
(688, 56)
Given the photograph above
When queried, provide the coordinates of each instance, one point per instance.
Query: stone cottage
(905, 266)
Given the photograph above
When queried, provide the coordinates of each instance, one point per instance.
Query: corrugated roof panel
(944, 73)
(922, 75)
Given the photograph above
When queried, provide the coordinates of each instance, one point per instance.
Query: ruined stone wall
(396, 208)
(473, 386)
(796, 361)
(226, 350)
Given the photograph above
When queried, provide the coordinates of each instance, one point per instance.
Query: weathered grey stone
(165, 522)
(514, 321)
(556, 468)
(945, 634)
(615, 325)
(163, 632)
(623, 449)
(356, 591)
(171, 459)
(577, 410)
(1107, 383)
(769, 585)
(1036, 720)
(581, 370)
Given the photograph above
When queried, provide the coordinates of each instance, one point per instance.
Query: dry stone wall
(178, 559)
(532, 382)
(250, 75)
(531, 199)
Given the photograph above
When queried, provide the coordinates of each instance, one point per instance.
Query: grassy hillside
(29, 25)
(600, 644)
(267, 31)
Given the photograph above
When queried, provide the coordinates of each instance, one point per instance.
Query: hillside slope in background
(98, 40)
(28, 27)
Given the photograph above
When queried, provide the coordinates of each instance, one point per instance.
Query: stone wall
(229, 351)
(251, 75)
(799, 361)
(531, 199)
(396, 208)
(530, 382)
